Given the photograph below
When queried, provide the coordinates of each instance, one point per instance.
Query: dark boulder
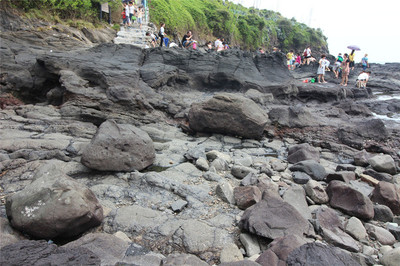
(302, 152)
(383, 213)
(272, 218)
(279, 250)
(315, 170)
(30, 252)
(228, 114)
(246, 196)
(349, 200)
(119, 147)
(331, 227)
(354, 135)
(345, 176)
(387, 194)
(54, 205)
(293, 116)
(320, 254)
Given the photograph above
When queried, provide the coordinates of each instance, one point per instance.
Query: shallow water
(380, 96)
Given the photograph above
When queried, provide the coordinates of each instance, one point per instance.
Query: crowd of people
(132, 13)
(342, 66)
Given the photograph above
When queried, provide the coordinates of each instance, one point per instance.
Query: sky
(374, 26)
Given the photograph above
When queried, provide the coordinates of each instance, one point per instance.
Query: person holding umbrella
(353, 48)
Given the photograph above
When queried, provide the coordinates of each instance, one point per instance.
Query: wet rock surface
(299, 191)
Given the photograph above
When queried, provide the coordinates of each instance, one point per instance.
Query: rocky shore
(114, 155)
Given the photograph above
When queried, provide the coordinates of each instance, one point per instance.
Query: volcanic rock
(320, 254)
(30, 252)
(349, 200)
(228, 114)
(272, 218)
(315, 170)
(302, 152)
(387, 194)
(73, 207)
(119, 147)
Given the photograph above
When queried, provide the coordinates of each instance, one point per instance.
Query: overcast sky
(372, 25)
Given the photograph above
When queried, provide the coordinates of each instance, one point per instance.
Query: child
(140, 16)
(297, 62)
(323, 63)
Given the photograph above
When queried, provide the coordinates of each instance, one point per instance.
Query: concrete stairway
(134, 35)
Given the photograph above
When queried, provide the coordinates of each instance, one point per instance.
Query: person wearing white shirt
(219, 45)
(362, 79)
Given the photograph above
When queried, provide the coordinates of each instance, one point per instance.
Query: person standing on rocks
(345, 70)
(162, 34)
(289, 57)
(140, 17)
(323, 63)
(297, 61)
(307, 55)
(351, 58)
(364, 62)
(336, 66)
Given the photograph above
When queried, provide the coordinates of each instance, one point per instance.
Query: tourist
(297, 60)
(139, 15)
(131, 9)
(323, 63)
(336, 66)
(162, 34)
(290, 57)
(218, 45)
(209, 46)
(187, 40)
(128, 20)
(151, 39)
(364, 62)
(125, 18)
(362, 79)
(307, 55)
(345, 70)
(351, 58)
(261, 50)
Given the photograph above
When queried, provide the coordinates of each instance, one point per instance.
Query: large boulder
(387, 194)
(293, 116)
(320, 254)
(228, 114)
(355, 134)
(383, 163)
(53, 205)
(331, 228)
(109, 248)
(279, 250)
(119, 147)
(302, 152)
(30, 252)
(349, 200)
(315, 170)
(272, 218)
